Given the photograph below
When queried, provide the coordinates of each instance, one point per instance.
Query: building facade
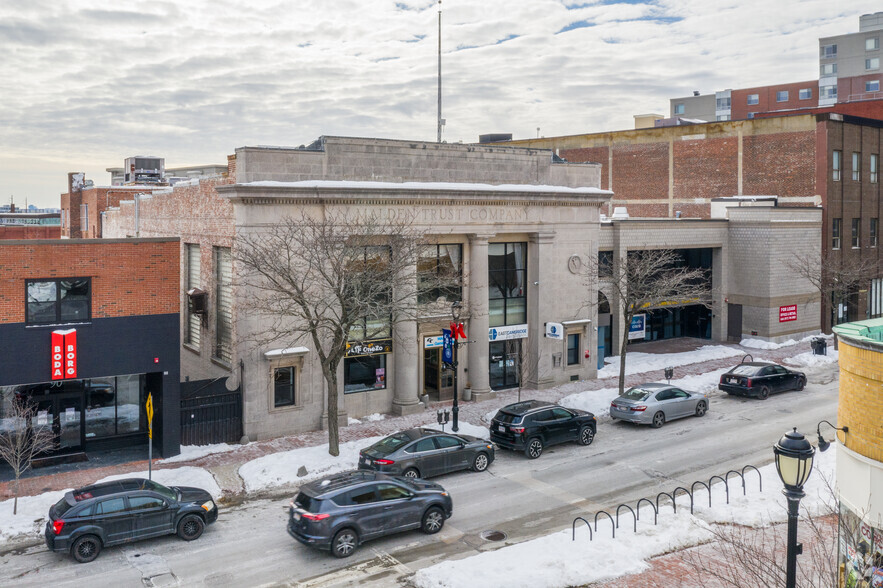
(89, 328)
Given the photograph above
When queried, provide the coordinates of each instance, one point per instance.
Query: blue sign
(637, 328)
(447, 347)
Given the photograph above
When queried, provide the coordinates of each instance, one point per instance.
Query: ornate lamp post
(455, 411)
(794, 456)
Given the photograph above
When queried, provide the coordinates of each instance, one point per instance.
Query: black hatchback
(93, 517)
(532, 425)
(343, 510)
(759, 379)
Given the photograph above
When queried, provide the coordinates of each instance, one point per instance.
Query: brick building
(113, 305)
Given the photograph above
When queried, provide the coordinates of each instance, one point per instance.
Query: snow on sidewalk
(556, 560)
(637, 362)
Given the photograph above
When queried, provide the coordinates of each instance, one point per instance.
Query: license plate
(733, 380)
(295, 516)
(501, 428)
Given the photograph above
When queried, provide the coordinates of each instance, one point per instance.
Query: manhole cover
(493, 535)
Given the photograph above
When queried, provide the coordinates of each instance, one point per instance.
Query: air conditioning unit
(143, 169)
(198, 301)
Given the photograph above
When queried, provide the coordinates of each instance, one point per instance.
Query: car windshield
(61, 507)
(507, 418)
(389, 444)
(160, 489)
(744, 370)
(635, 394)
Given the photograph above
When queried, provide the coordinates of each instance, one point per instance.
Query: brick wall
(706, 168)
(740, 109)
(780, 164)
(860, 407)
(30, 232)
(129, 278)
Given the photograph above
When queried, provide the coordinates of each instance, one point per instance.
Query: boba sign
(64, 354)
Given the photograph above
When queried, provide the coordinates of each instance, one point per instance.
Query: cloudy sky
(88, 83)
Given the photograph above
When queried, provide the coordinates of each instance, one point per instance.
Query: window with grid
(872, 86)
(805, 94)
(223, 304)
(828, 92)
(84, 217)
(873, 232)
(827, 69)
(875, 162)
(679, 109)
(367, 263)
(828, 51)
(283, 387)
(440, 274)
(836, 164)
(193, 323)
(856, 233)
(65, 300)
(856, 166)
(573, 349)
(782, 96)
(507, 275)
(872, 63)
(753, 99)
(872, 43)
(835, 233)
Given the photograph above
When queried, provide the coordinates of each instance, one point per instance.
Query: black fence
(210, 413)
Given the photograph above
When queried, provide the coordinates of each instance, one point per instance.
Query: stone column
(541, 287)
(477, 375)
(406, 353)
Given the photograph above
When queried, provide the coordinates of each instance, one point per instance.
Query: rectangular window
(283, 387)
(113, 406)
(66, 300)
(507, 275)
(827, 69)
(856, 233)
(872, 86)
(828, 51)
(782, 96)
(836, 165)
(835, 233)
(223, 304)
(440, 274)
(873, 233)
(872, 43)
(361, 374)
(373, 261)
(828, 92)
(679, 108)
(605, 264)
(723, 103)
(805, 93)
(872, 63)
(723, 117)
(573, 349)
(753, 99)
(193, 322)
(875, 162)
(875, 298)
(856, 167)
(84, 217)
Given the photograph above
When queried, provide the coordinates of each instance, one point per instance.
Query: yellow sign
(149, 408)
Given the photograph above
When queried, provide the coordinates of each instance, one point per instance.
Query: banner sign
(554, 330)
(433, 342)
(787, 313)
(506, 333)
(64, 354)
(638, 327)
(363, 348)
(447, 347)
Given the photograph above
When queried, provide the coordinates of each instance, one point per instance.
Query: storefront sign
(638, 327)
(433, 342)
(787, 313)
(554, 330)
(64, 354)
(508, 332)
(362, 348)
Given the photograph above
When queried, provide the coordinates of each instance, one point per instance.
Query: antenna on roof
(440, 121)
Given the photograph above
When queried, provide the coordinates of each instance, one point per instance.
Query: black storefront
(96, 398)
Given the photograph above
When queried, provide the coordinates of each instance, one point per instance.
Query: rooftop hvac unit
(144, 170)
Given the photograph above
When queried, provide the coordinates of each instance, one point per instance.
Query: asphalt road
(249, 545)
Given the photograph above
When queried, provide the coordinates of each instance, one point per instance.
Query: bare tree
(528, 365)
(331, 279)
(646, 280)
(21, 439)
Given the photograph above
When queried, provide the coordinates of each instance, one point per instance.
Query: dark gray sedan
(422, 453)
(653, 404)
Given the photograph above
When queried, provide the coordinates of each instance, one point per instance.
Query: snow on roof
(447, 186)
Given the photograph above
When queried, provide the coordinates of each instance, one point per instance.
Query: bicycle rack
(634, 516)
(613, 525)
(573, 538)
(748, 357)
(636, 512)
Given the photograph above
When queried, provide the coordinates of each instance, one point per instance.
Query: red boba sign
(64, 354)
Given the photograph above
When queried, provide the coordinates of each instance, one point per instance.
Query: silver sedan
(653, 404)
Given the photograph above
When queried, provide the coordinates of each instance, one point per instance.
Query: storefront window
(361, 374)
(128, 404)
(507, 272)
(861, 551)
(439, 274)
(100, 407)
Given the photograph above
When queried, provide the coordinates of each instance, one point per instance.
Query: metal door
(734, 322)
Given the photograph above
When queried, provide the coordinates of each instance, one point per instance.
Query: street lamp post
(455, 410)
(794, 457)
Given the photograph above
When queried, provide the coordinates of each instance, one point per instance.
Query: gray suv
(343, 510)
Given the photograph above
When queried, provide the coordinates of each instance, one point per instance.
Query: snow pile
(184, 476)
(809, 359)
(352, 421)
(637, 362)
(556, 560)
(375, 417)
(761, 344)
(470, 429)
(191, 452)
(33, 512)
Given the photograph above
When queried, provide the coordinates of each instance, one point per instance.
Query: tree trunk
(333, 429)
(15, 501)
(623, 350)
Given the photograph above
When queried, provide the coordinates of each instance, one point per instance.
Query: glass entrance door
(504, 359)
(63, 415)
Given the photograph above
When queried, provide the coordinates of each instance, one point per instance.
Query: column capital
(473, 237)
(542, 237)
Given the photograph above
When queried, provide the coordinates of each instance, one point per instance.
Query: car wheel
(480, 462)
(534, 448)
(86, 548)
(344, 543)
(411, 473)
(764, 393)
(433, 520)
(190, 527)
(801, 384)
(658, 420)
(586, 436)
(701, 408)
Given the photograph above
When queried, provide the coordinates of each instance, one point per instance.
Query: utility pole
(439, 73)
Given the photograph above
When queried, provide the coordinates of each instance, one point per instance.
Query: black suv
(343, 510)
(531, 425)
(97, 516)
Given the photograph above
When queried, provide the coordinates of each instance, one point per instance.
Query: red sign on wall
(64, 354)
(787, 313)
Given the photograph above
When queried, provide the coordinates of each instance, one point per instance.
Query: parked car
(423, 453)
(532, 425)
(93, 517)
(342, 511)
(653, 404)
(760, 379)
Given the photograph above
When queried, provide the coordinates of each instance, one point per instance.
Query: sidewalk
(224, 466)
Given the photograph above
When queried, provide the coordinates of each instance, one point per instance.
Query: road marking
(360, 574)
(527, 480)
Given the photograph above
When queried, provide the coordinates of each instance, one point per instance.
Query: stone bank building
(517, 227)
